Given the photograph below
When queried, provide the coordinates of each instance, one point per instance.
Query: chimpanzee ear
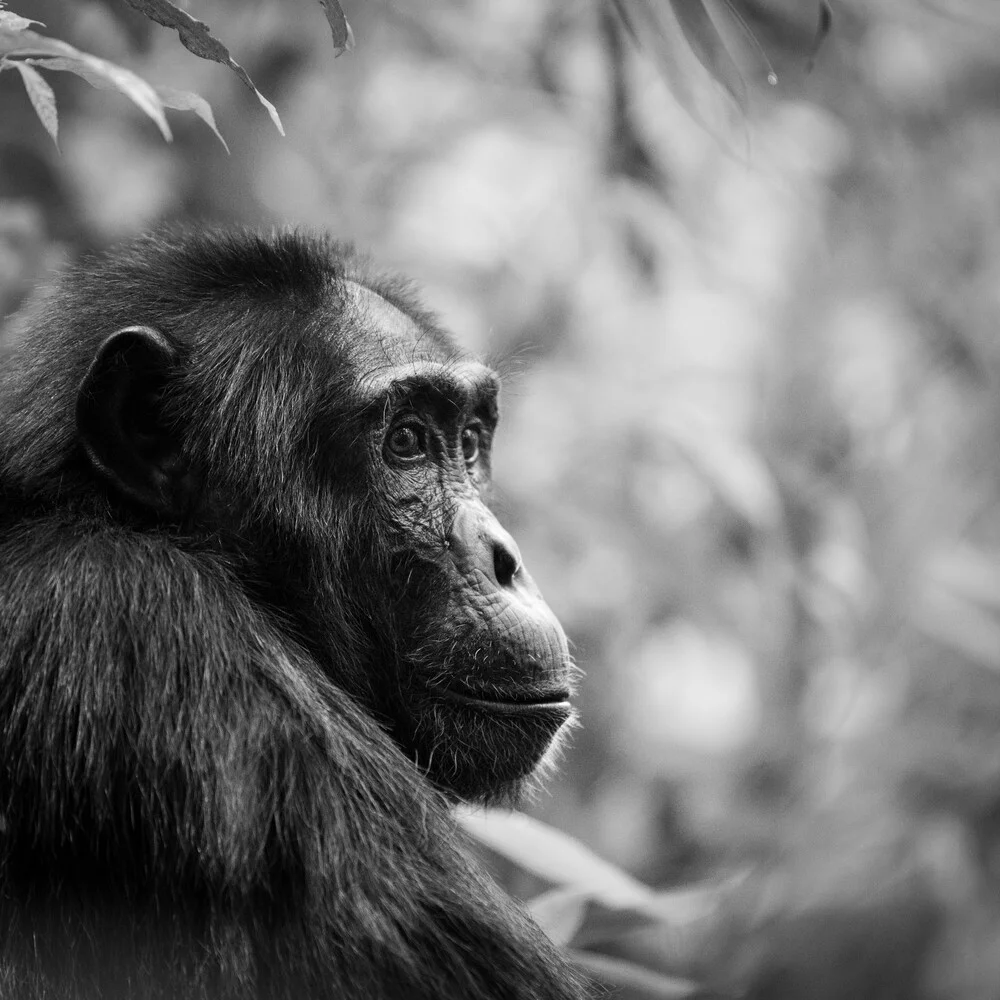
(120, 419)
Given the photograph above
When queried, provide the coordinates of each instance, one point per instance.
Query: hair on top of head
(178, 269)
(288, 263)
(284, 265)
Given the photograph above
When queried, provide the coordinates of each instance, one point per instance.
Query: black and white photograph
(499, 500)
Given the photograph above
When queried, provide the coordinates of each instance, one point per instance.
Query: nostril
(479, 546)
(505, 564)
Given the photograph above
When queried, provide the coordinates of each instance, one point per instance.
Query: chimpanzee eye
(406, 441)
(470, 444)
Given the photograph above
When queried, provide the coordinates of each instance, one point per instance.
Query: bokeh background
(751, 444)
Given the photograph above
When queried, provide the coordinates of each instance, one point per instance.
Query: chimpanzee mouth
(553, 701)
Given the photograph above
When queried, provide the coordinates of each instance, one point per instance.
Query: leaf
(823, 27)
(197, 38)
(967, 572)
(554, 856)
(562, 859)
(571, 916)
(343, 37)
(784, 22)
(10, 21)
(952, 617)
(43, 100)
(718, 34)
(654, 27)
(560, 913)
(184, 100)
(706, 43)
(107, 76)
(53, 54)
(638, 981)
(674, 30)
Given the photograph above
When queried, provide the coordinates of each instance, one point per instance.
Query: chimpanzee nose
(478, 542)
(489, 563)
(506, 556)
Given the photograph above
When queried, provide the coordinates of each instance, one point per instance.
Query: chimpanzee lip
(529, 703)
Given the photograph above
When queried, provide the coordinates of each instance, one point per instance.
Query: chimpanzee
(258, 629)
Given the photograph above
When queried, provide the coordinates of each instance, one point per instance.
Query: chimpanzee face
(481, 674)
(377, 509)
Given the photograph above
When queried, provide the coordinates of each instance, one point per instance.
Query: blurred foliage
(722, 35)
(26, 51)
(671, 26)
(750, 443)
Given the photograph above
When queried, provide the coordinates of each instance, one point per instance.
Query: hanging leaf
(789, 29)
(28, 52)
(654, 29)
(10, 21)
(679, 43)
(343, 37)
(722, 35)
(822, 30)
(107, 76)
(197, 38)
(43, 100)
(184, 100)
(53, 54)
(708, 46)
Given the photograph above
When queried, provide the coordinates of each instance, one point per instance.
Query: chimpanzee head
(274, 401)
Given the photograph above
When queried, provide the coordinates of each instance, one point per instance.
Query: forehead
(379, 316)
(410, 358)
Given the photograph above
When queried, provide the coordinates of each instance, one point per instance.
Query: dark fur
(200, 792)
